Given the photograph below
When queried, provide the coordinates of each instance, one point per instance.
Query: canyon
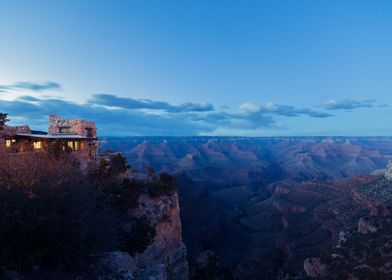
(263, 206)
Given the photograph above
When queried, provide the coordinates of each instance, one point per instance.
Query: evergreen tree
(3, 120)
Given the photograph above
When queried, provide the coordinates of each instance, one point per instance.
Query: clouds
(30, 86)
(124, 116)
(348, 104)
(127, 116)
(283, 110)
(109, 121)
(130, 103)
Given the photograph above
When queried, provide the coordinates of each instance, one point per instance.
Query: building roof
(54, 136)
(38, 132)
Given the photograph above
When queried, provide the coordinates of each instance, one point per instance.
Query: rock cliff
(165, 257)
(388, 172)
(167, 251)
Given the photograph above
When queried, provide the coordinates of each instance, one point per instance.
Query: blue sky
(249, 68)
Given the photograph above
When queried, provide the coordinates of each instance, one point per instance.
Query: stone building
(78, 136)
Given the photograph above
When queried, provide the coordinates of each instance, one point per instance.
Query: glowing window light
(70, 144)
(37, 145)
(8, 143)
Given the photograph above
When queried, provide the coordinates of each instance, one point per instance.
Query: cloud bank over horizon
(126, 116)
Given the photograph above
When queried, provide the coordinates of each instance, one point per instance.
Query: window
(37, 145)
(74, 145)
(65, 130)
(9, 142)
(89, 132)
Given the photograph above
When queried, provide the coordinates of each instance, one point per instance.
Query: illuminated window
(9, 142)
(77, 145)
(37, 145)
(70, 144)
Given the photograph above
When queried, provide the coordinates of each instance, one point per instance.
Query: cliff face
(388, 172)
(167, 252)
(165, 257)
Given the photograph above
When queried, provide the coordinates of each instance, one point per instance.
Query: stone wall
(77, 127)
(89, 148)
(86, 152)
(9, 131)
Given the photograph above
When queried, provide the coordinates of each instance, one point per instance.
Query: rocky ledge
(165, 257)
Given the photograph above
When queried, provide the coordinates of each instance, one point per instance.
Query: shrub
(109, 166)
(54, 215)
(128, 195)
(49, 213)
(165, 185)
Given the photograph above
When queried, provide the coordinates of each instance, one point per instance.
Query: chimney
(53, 124)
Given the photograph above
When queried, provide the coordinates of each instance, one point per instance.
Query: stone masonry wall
(76, 126)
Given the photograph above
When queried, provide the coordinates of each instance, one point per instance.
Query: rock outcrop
(167, 249)
(165, 257)
(365, 227)
(388, 171)
(314, 267)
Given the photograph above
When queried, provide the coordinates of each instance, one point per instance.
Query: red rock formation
(167, 249)
(165, 257)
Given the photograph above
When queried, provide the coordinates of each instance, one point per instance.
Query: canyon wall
(165, 257)
(167, 253)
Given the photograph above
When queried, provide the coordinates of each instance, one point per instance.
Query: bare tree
(3, 120)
